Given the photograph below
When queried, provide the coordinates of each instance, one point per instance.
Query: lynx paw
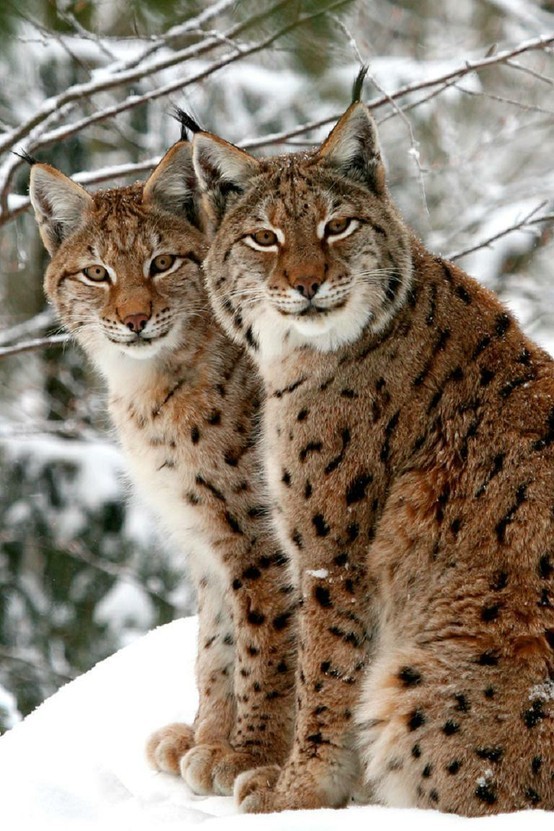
(269, 789)
(213, 768)
(167, 746)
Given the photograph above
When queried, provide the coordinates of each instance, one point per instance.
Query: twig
(32, 345)
(523, 223)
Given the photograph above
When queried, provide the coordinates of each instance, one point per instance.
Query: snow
(78, 761)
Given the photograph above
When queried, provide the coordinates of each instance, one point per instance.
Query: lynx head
(125, 270)
(309, 250)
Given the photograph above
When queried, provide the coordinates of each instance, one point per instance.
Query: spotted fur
(408, 436)
(184, 401)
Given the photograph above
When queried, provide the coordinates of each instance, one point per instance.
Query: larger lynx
(125, 279)
(409, 440)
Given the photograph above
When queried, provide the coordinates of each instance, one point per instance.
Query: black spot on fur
(489, 692)
(500, 581)
(320, 525)
(323, 596)
(481, 346)
(281, 621)
(416, 720)
(462, 704)
(194, 434)
(489, 613)
(491, 754)
(416, 751)
(454, 766)
(508, 518)
(548, 437)
(536, 764)
(502, 324)
(389, 430)
(485, 376)
(214, 417)
(353, 531)
(534, 715)
(549, 635)
(303, 414)
(334, 463)
(255, 618)
(545, 567)
(356, 490)
(285, 478)
(409, 676)
(251, 573)
(488, 658)
(296, 537)
(463, 294)
(233, 523)
(427, 771)
(434, 795)
(311, 447)
(341, 559)
(532, 796)
(450, 727)
(486, 793)
(308, 490)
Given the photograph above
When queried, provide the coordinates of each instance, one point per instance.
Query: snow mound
(78, 761)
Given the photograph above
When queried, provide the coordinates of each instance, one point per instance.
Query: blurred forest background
(463, 92)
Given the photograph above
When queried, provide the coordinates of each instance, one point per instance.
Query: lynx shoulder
(125, 279)
(408, 439)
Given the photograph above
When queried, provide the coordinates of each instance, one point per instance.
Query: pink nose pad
(307, 286)
(136, 322)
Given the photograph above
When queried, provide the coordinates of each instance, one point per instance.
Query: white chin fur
(334, 329)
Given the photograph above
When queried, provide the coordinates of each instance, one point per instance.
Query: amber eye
(337, 226)
(97, 273)
(161, 263)
(265, 237)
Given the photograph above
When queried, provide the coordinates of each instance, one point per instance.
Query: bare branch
(32, 345)
(527, 221)
(465, 69)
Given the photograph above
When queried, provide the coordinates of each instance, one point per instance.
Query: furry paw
(167, 746)
(270, 789)
(211, 769)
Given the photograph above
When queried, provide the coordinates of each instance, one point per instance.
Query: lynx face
(310, 256)
(125, 270)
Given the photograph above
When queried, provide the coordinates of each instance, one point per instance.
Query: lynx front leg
(264, 611)
(322, 769)
(214, 720)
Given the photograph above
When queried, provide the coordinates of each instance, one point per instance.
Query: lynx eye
(96, 273)
(337, 226)
(265, 237)
(161, 263)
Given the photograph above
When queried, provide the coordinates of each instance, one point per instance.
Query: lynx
(408, 438)
(125, 279)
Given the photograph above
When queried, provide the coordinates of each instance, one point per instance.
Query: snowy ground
(78, 763)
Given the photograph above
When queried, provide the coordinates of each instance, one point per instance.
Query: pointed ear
(353, 148)
(172, 185)
(59, 203)
(222, 169)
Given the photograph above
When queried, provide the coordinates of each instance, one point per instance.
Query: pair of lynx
(356, 447)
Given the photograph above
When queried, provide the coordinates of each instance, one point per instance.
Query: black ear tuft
(25, 156)
(187, 122)
(359, 83)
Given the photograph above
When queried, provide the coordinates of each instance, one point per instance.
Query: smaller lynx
(408, 436)
(125, 279)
